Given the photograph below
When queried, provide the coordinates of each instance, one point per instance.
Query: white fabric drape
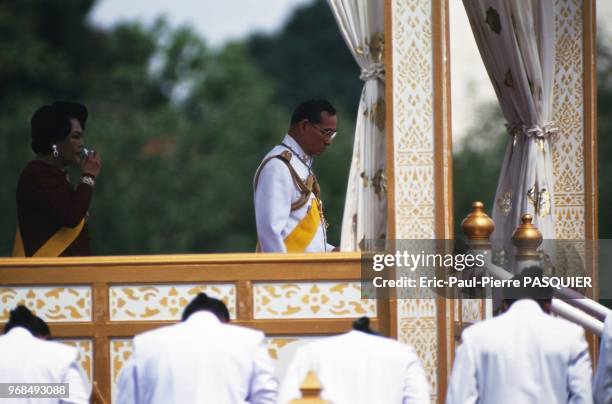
(365, 209)
(516, 42)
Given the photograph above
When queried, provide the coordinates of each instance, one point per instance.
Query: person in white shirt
(288, 206)
(602, 384)
(28, 358)
(359, 367)
(199, 360)
(523, 355)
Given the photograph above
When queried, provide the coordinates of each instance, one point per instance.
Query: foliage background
(181, 127)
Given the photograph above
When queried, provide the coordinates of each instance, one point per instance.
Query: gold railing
(243, 271)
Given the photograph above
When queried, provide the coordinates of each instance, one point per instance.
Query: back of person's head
(363, 324)
(202, 302)
(51, 123)
(311, 110)
(541, 294)
(21, 316)
(40, 328)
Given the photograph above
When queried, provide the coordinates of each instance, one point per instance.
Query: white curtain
(365, 211)
(516, 42)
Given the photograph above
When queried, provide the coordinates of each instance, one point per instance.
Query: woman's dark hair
(21, 316)
(51, 123)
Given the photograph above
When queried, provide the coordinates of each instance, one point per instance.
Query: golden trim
(244, 300)
(443, 152)
(589, 66)
(178, 259)
(391, 225)
(390, 167)
(590, 118)
(101, 350)
(281, 327)
(443, 201)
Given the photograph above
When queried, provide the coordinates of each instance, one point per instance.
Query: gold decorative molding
(163, 302)
(567, 145)
(311, 300)
(51, 303)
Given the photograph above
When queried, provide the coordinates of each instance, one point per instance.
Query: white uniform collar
(291, 142)
(525, 305)
(19, 332)
(203, 316)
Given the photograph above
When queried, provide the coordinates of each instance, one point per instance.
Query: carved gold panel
(51, 303)
(163, 302)
(414, 163)
(311, 300)
(568, 99)
(421, 333)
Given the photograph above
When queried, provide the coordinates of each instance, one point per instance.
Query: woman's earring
(55, 152)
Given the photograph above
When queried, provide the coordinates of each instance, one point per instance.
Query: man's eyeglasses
(328, 133)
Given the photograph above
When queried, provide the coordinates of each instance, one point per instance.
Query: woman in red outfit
(51, 212)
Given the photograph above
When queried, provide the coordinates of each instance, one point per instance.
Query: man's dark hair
(51, 123)
(204, 303)
(363, 324)
(541, 294)
(21, 316)
(311, 110)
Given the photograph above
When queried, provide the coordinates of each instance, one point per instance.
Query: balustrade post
(311, 391)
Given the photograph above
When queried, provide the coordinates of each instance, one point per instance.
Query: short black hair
(202, 302)
(21, 316)
(363, 324)
(51, 123)
(541, 294)
(311, 110)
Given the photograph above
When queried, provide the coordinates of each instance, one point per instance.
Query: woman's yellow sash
(53, 247)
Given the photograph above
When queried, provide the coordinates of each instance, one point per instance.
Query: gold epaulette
(305, 188)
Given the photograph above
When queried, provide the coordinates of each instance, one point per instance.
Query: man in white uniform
(25, 358)
(602, 385)
(199, 360)
(288, 206)
(522, 356)
(359, 368)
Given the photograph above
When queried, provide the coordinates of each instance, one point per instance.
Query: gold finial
(311, 391)
(527, 238)
(477, 226)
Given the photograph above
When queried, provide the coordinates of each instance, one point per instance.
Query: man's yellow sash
(52, 247)
(301, 236)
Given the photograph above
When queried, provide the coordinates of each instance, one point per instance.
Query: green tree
(309, 59)
(180, 128)
(477, 162)
(189, 163)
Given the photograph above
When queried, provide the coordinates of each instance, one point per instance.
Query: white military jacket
(358, 368)
(602, 385)
(522, 356)
(27, 359)
(200, 360)
(275, 191)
